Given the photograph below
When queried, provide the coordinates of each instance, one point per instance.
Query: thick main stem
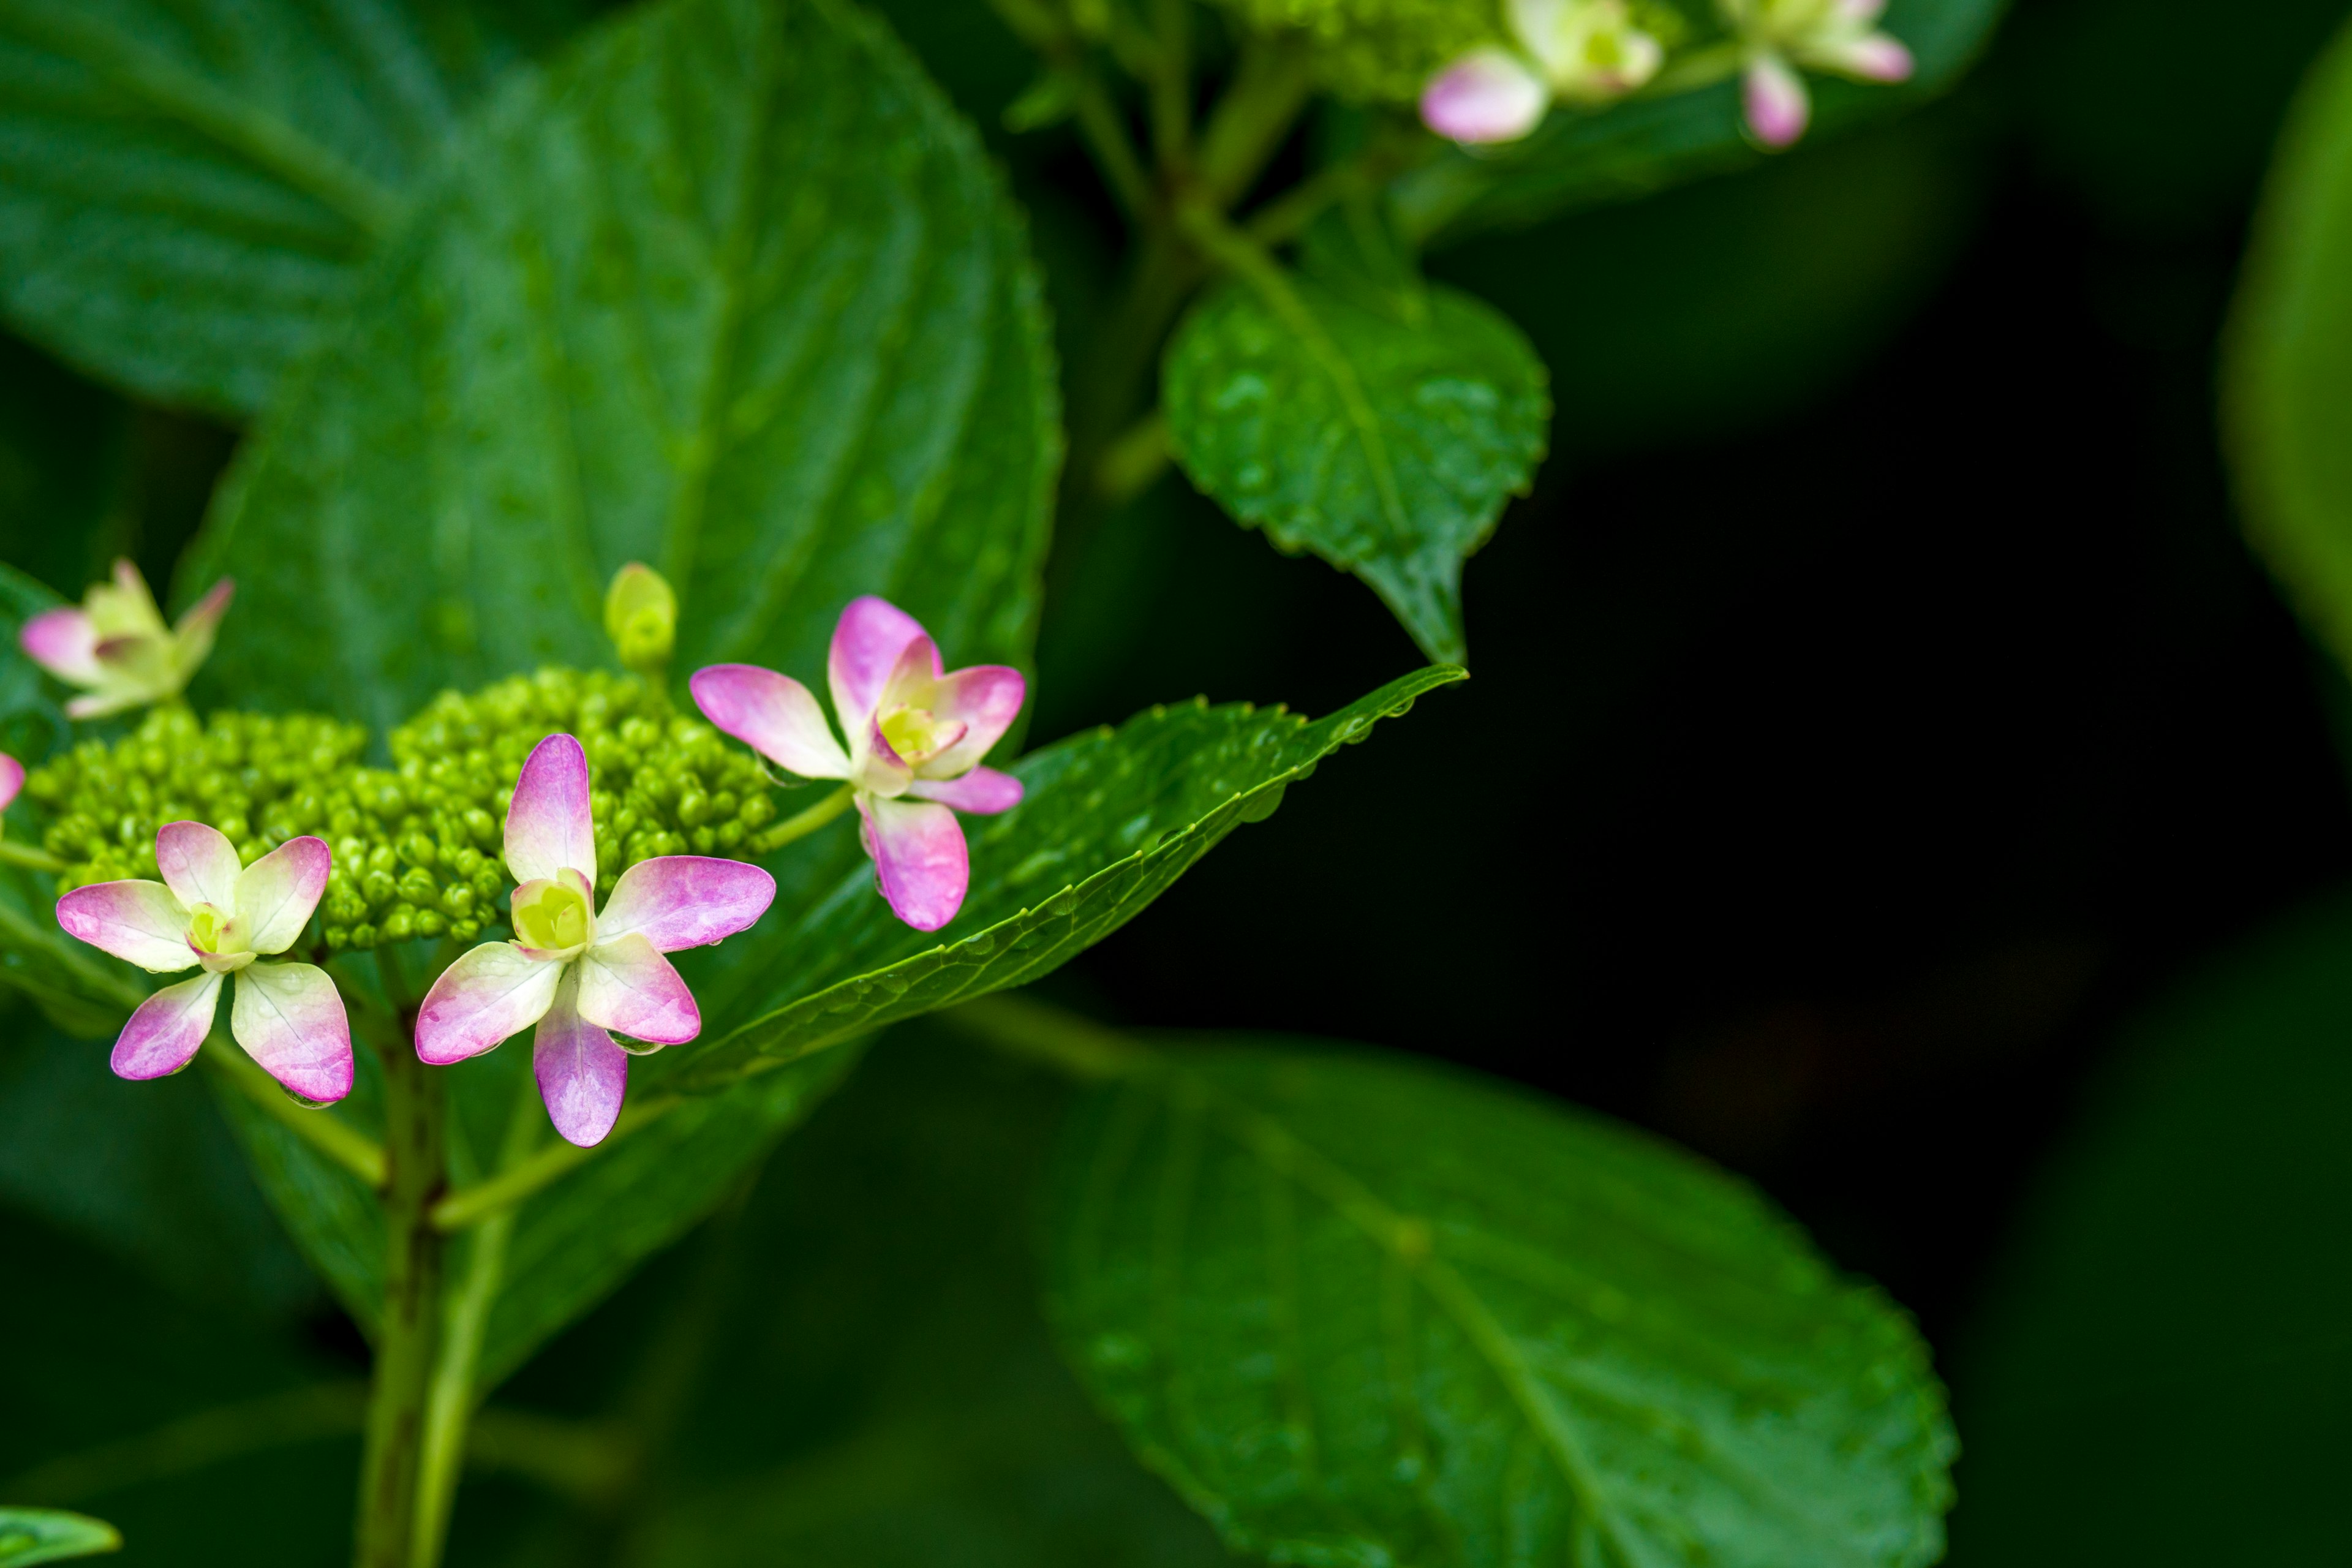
(414, 1113)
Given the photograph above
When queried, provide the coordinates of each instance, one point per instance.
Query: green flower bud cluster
(242, 772)
(1380, 51)
(418, 848)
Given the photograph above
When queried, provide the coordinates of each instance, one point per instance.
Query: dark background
(1872, 707)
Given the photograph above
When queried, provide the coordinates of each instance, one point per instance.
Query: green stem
(1255, 116)
(339, 1141)
(415, 1112)
(449, 1404)
(470, 1206)
(1106, 137)
(26, 855)
(1171, 83)
(804, 824)
(1052, 1037)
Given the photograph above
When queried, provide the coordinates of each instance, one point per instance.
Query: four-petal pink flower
(583, 974)
(209, 912)
(914, 729)
(117, 647)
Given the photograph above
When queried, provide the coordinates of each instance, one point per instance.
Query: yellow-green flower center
(552, 917)
(915, 733)
(208, 927)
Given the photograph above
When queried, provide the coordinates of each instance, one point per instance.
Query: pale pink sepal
(197, 628)
(168, 1028)
(774, 714)
(867, 642)
(625, 986)
(1487, 96)
(919, 859)
(686, 901)
(1777, 104)
(275, 894)
(65, 642)
(1875, 56)
(986, 699)
(983, 791)
(583, 1074)
(489, 996)
(549, 828)
(12, 779)
(137, 920)
(288, 1018)
(199, 864)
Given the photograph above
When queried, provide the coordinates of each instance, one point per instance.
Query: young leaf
(186, 187)
(1361, 1310)
(2287, 371)
(30, 1535)
(1110, 820)
(1648, 143)
(1381, 429)
(776, 336)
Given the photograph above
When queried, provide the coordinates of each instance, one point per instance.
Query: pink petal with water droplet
(199, 864)
(488, 996)
(919, 858)
(867, 642)
(774, 714)
(167, 1029)
(686, 901)
(138, 921)
(549, 827)
(583, 1074)
(627, 987)
(983, 791)
(289, 1019)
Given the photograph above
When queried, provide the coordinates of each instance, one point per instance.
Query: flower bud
(641, 617)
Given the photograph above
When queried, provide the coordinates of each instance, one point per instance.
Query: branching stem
(803, 823)
(508, 1190)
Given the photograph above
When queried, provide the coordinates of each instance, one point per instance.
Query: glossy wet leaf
(1650, 143)
(186, 188)
(1111, 818)
(30, 1535)
(1362, 1310)
(775, 335)
(1384, 430)
(2288, 368)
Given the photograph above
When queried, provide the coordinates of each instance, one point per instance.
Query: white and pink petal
(137, 920)
(289, 1019)
(627, 987)
(679, 901)
(774, 714)
(583, 1075)
(198, 863)
(489, 995)
(65, 642)
(919, 860)
(866, 643)
(549, 824)
(1777, 104)
(983, 791)
(1488, 95)
(12, 779)
(275, 894)
(167, 1029)
(986, 699)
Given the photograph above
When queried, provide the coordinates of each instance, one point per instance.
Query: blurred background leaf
(185, 190)
(619, 330)
(1358, 1309)
(30, 1535)
(2158, 1373)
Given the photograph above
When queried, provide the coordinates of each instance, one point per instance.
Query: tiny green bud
(641, 617)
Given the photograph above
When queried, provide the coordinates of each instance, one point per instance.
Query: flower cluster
(117, 648)
(1378, 51)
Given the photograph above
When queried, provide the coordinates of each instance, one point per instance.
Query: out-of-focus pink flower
(12, 779)
(117, 647)
(1837, 35)
(209, 913)
(580, 974)
(917, 732)
(1585, 51)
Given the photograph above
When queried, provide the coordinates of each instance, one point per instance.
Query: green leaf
(1110, 820)
(30, 1535)
(1647, 145)
(187, 186)
(776, 336)
(1362, 1310)
(575, 1240)
(2287, 369)
(2157, 1375)
(1382, 429)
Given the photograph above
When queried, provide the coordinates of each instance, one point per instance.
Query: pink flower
(579, 974)
(914, 730)
(1838, 36)
(1586, 51)
(117, 647)
(12, 779)
(210, 912)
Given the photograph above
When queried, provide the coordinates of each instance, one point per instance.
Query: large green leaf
(1110, 820)
(729, 290)
(1649, 143)
(2288, 373)
(2157, 1373)
(1360, 1310)
(185, 186)
(30, 1535)
(1382, 428)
